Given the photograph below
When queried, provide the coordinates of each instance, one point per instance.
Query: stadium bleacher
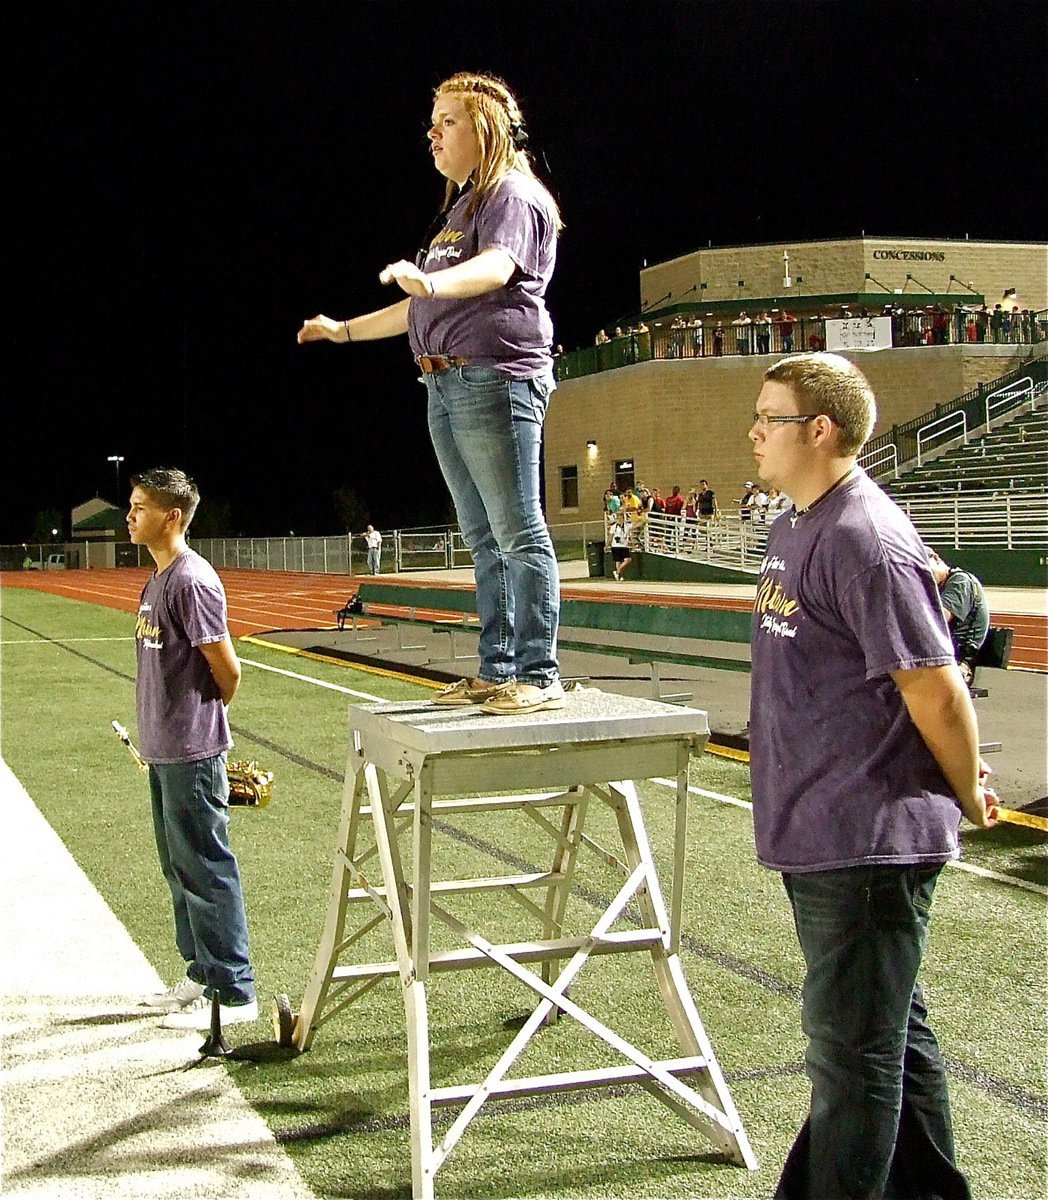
(1012, 457)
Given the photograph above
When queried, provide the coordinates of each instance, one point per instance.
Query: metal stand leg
(400, 789)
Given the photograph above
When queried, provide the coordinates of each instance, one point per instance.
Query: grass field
(341, 1110)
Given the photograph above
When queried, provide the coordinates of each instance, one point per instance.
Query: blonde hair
(499, 126)
(833, 386)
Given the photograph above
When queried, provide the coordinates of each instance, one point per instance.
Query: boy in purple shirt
(864, 755)
(188, 674)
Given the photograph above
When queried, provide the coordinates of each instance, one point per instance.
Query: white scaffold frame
(412, 764)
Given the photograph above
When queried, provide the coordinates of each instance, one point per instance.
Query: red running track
(264, 600)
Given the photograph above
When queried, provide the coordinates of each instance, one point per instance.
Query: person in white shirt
(374, 542)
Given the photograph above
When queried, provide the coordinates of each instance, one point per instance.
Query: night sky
(192, 179)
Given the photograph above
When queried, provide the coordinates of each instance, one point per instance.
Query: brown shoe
(466, 692)
(513, 699)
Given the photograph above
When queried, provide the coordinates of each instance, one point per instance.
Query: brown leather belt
(431, 364)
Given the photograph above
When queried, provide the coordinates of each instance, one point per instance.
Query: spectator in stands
(706, 500)
(620, 545)
(762, 329)
(481, 335)
(864, 753)
(816, 333)
(695, 332)
(374, 544)
(786, 323)
(742, 326)
(601, 339)
(674, 503)
(657, 503)
(777, 504)
(940, 326)
(691, 504)
(747, 501)
(643, 342)
(630, 503)
(1016, 323)
(677, 337)
(966, 610)
(612, 500)
(718, 340)
(997, 324)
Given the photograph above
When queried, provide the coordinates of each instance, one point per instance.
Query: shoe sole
(520, 709)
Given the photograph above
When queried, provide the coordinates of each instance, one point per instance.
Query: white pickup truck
(53, 562)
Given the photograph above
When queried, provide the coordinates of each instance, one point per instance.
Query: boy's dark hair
(172, 488)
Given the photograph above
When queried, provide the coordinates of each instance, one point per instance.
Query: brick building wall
(840, 266)
(681, 420)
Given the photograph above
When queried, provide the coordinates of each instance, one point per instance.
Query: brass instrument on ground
(249, 785)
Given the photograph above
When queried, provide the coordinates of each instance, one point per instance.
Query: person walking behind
(480, 332)
(374, 544)
(864, 754)
(188, 674)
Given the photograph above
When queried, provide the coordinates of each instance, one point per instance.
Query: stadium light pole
(116, 460)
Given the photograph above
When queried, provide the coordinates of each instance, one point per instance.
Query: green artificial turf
(342, 1110)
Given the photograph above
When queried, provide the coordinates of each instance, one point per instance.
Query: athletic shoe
(177, 997)
(198, 1015)
(515, 698)
(466, 691)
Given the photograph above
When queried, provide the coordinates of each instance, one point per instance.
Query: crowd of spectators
(626, 513)
(779, 331)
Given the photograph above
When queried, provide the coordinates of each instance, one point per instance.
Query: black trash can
(595, 559)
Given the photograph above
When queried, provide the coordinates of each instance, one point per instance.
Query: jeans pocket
(474, 378)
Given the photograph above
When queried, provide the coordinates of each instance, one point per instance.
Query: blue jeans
(374, 560)
(880, 1114)
(191, 824)
(487, 432)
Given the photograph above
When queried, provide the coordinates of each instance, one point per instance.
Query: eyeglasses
(763, 420)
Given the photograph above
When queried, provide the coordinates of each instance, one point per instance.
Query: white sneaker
(197, 1015)
(177, 997)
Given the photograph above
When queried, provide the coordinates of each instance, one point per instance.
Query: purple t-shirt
(181, 717)
(841, 777)
(508, 328)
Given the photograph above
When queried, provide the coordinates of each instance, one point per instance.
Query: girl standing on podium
(479, 330)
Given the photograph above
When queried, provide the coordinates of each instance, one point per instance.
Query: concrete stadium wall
(682, 420)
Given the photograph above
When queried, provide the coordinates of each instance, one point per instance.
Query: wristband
(431, 287)
(345, 326)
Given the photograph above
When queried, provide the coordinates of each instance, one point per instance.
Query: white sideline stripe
(42, 641)
(98, 1104)
(982, 872)
(331, 687)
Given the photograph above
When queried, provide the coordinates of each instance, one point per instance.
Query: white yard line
(322, 683)
(48, 641)
(970, 868)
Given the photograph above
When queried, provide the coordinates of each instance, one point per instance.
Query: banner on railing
(859, 333)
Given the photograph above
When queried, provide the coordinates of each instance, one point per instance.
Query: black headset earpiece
(519, 135)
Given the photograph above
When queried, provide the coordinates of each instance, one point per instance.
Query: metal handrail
(871, 462)
(1007, 395)
(948, 423)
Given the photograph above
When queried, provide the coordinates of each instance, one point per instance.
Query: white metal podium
(411, 764)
